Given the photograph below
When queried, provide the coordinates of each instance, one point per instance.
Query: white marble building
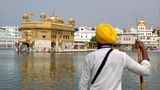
(84, 34)
(146, 35)
(82, 37)
(9, 35)
(125, 39)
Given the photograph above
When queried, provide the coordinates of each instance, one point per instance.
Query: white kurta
(110, 78)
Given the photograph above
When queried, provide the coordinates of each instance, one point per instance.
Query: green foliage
(154, 30)
(93, 39)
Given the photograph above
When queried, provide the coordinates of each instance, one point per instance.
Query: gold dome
(141, 22)
(55, 19)
(25, 16)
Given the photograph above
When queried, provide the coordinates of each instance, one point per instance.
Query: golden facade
(49, 33)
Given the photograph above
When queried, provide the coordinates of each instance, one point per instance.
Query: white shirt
(110, 78)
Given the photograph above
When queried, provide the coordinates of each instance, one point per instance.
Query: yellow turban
(105, 34)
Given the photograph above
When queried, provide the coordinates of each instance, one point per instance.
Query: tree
(154, 30)
(92, 43)
(93, 39)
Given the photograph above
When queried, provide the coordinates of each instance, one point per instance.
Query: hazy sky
(119, 13)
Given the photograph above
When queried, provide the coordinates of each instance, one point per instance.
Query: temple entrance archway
(23, 46)
(53, 44)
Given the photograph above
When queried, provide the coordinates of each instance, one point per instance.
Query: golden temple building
(47, 34)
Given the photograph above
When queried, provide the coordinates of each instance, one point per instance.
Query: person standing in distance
(110, 75)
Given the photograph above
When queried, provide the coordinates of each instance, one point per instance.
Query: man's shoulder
(92, 53)
(118, 51)
(103, 51)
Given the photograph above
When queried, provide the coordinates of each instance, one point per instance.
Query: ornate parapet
(46, 25)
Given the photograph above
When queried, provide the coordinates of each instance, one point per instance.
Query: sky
(118, 13)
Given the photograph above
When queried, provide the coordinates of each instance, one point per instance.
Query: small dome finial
(42, 16)
(25, 17)
(71, 21)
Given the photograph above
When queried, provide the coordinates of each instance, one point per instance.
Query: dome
(25, 16)
(60, 20)
(42, 15)
(141, 22)
(55, 19)
(51, 19)
(71, 21)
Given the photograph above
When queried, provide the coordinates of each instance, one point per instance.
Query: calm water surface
(60, 71)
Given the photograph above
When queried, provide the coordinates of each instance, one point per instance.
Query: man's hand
(139, 44)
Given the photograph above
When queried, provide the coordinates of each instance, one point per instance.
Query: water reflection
(60, 71)
(46, 71)
(9, 71)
